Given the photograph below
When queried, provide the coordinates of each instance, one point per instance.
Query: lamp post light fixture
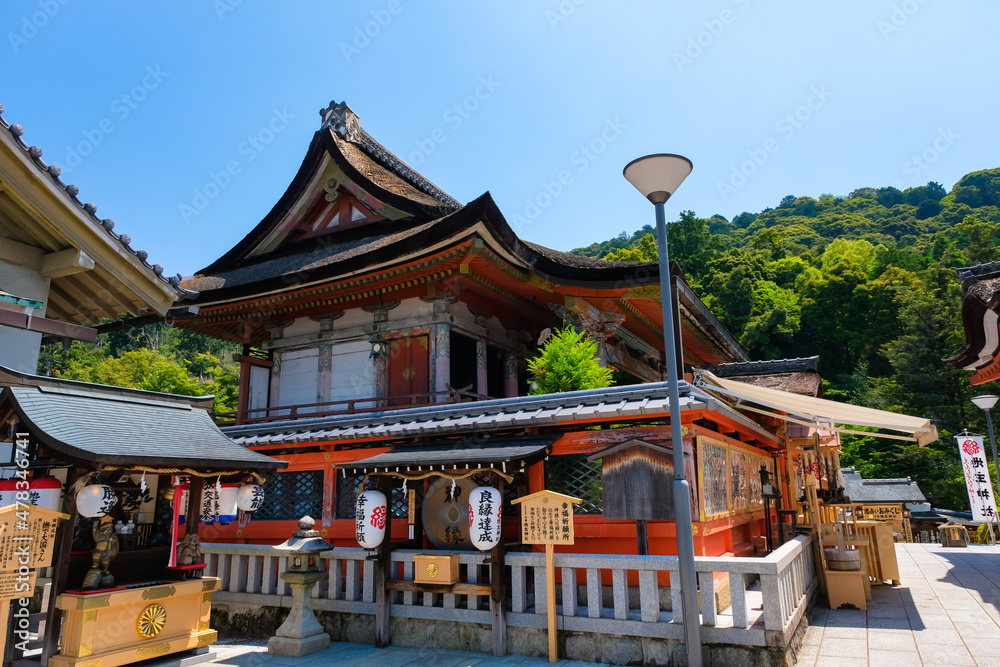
(985, 402)
(657, 177)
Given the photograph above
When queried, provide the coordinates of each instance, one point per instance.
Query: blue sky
(141, 103)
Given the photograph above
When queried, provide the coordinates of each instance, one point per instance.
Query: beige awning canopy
(816, 411)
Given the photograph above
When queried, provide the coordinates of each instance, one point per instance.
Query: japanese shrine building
(363, 251)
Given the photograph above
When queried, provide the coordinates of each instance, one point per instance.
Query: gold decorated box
(121, 627)
(435, 569)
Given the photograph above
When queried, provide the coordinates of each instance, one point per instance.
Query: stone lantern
(301, 634)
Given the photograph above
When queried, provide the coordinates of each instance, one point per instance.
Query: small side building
(884, 500)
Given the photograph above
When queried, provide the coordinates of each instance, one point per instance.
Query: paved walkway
(945, 612)
(342, 654)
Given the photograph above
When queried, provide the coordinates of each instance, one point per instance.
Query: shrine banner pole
(550, 600)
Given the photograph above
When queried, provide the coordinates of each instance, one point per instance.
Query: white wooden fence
(765, 613)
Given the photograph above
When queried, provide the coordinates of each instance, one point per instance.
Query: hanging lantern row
(96, 500)
(222, 506)
(485, 515)
(42, 491)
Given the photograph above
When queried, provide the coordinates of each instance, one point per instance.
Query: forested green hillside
(866, 281)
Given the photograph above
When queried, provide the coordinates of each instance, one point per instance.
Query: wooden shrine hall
(386, 326)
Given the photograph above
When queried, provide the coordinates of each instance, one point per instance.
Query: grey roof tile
(105, 427)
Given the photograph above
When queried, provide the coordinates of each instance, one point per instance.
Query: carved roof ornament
(341, 119)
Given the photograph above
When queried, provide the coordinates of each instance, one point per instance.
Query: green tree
(982, 239)
(774, 320)
(567, 362)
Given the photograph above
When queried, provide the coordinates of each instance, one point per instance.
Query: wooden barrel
(848, 559)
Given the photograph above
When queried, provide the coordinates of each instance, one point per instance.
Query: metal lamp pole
(657, 177)
(986, 403)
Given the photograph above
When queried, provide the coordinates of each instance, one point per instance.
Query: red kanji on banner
(970, 447)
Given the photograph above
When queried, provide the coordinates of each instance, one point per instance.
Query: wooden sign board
(882, 512)
(27, 527)
(14, 585)
(547, 517)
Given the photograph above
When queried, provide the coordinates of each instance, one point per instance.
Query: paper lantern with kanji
(250, 497)
(370, 518)
(485, 514)
(46, 492)
(95, 500)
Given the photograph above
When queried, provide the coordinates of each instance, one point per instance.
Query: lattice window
(349, 487)
(289, 496)
(575, 476)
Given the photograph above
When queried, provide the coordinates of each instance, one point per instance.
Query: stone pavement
(342, 654)
(946, 611)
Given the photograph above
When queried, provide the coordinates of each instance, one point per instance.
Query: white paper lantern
(95, 500)
(46, 492)
(485, 513)
(250, 497)
(227, 504)
(370, 519)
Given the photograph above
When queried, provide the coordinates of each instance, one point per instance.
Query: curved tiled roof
(54, 173)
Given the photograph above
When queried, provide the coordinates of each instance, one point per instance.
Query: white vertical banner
(977, 478)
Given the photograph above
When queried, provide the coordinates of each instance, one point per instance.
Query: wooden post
(382, 561)
(550, 596)
(642, 537)
(193, 517)
(4, 631)
(60, 569)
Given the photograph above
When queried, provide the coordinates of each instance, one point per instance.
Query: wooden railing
(768, 595)
(343, 407)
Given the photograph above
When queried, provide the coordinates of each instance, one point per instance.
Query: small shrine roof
(98, 426)
(897, 490)
(477, 451)
(798, 376)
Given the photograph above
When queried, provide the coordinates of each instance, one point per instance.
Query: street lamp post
(657, 177)
(986, 402)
